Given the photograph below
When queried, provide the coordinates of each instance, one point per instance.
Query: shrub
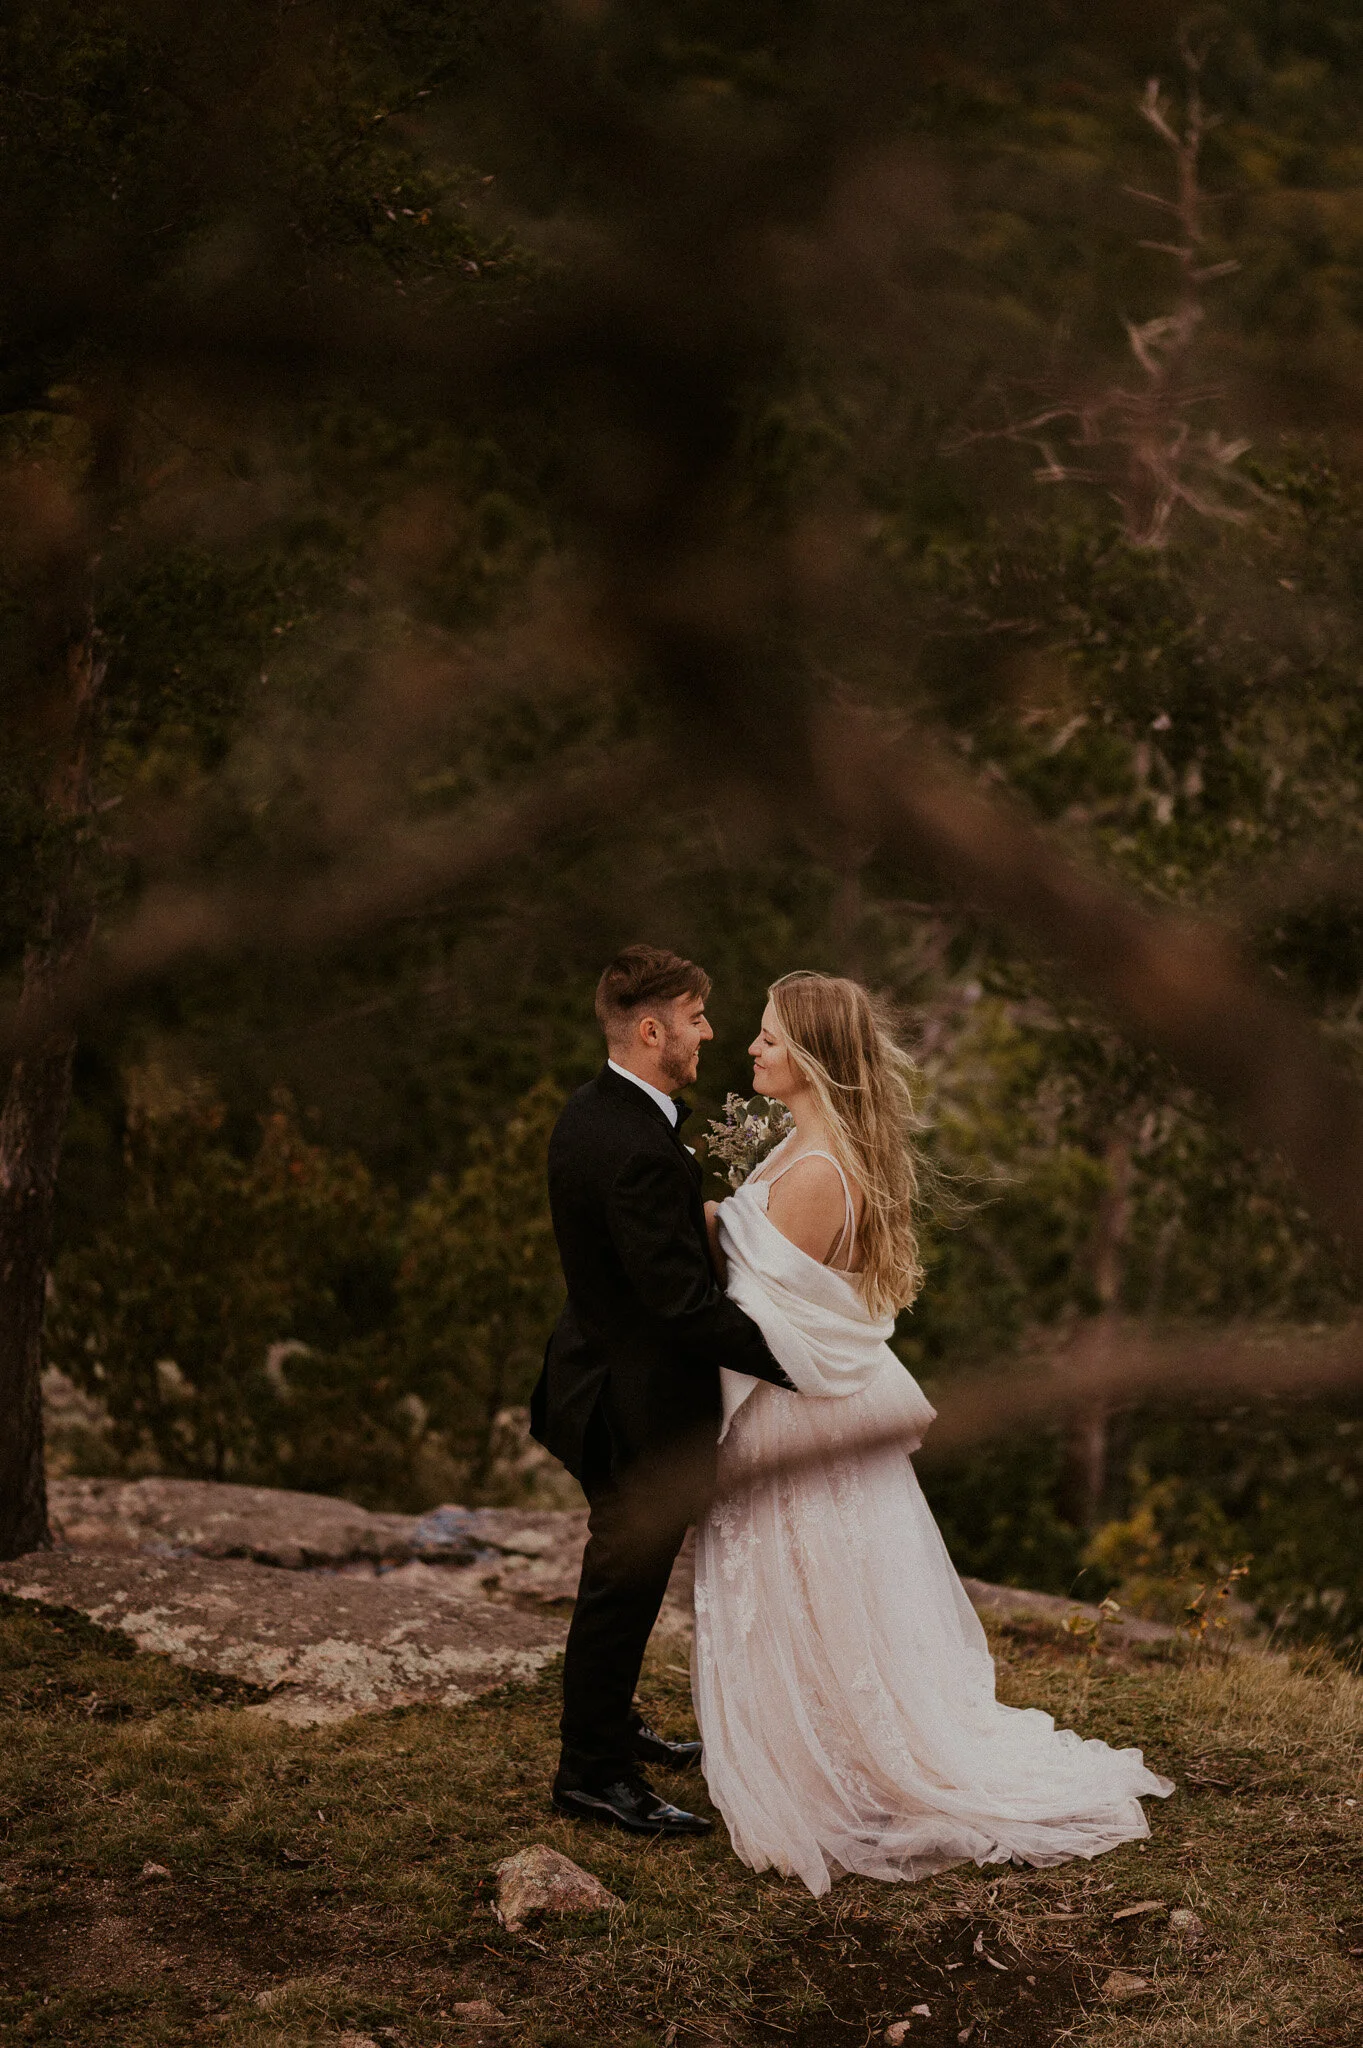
(283, 1320)
(180, 1317)
(478, 1284)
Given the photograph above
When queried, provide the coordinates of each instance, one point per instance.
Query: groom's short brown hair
(641, 975)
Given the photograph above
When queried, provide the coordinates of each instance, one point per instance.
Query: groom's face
(684, 1028)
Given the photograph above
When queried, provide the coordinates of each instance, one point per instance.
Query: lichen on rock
(540, 1880)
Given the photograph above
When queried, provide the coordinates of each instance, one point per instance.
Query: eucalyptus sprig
(745, 1134)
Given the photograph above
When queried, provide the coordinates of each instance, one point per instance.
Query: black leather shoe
(628, 1803)
(652, 1748)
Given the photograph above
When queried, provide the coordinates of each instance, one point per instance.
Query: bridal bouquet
(745, 1134)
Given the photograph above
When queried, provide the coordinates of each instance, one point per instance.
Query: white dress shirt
(664, 1102)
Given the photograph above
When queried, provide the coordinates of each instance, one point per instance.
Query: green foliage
(268, 566)
(478, 1284)
(1278, 1482)
(312, 159)
(1009, 1141)
(176, 1319)
(189, 634)
(281, 1319)
(998, 1515)
(1155, 1559)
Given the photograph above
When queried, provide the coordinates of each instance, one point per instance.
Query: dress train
(842, 1679)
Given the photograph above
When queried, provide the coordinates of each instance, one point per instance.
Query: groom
(629, 1397)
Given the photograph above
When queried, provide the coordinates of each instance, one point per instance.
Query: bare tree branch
(1155, 462)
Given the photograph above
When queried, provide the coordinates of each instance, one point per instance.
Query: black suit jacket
(646, 1326)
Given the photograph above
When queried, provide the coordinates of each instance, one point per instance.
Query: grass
(339, 1880)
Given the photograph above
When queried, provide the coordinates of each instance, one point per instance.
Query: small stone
(154, 1873)
(1185, 1925)
(476, 2012)
(897, 2033)
(275, 1994)
(1119, 1984)
(350, 2040)
(540, 1880)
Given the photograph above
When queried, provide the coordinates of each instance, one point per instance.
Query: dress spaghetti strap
(849, 1221)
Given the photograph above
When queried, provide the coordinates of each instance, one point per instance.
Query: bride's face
(774, 1073)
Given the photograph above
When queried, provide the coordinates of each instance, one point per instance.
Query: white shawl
(814, 1318)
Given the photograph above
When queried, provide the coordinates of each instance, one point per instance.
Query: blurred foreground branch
(1173, 983)
(636, 365)
(981, 1406)
(393, 871)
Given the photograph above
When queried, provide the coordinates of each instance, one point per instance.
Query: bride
(842, 1682)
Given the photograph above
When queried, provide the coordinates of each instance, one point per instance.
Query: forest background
(338, 340)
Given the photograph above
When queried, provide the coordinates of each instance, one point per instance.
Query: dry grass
(338, 1879)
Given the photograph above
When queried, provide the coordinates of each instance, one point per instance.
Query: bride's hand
(716, 1248)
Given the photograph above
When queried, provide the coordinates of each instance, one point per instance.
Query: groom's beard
(679, 1066)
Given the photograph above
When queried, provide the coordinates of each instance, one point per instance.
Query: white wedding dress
(842, 1681)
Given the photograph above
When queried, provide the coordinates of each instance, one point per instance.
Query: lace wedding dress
(842, 1682)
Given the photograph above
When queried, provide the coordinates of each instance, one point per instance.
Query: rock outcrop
(339, 1611)
(335, 1610)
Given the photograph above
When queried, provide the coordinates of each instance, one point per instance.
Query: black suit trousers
(625, 1570)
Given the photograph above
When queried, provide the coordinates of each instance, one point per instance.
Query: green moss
(55, 1661)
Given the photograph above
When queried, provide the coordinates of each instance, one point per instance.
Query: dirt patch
(99, 1937)
(97, 1958)
(971, 1978)
(1351, 1940)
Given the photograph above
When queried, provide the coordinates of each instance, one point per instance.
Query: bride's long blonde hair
(842, 1045)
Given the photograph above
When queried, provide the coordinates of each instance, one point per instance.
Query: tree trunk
(1085, 1478)
(32, 1124)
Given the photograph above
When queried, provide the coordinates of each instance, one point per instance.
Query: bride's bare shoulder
(808, 1206)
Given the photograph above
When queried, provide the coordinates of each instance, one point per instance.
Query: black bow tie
(683, 1109)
